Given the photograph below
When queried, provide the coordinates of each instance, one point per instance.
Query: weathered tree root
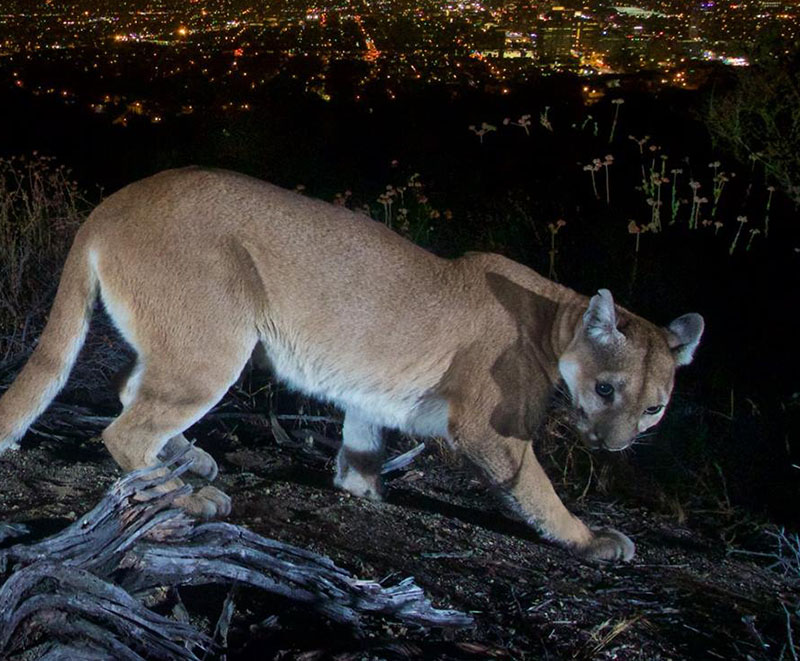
(55, 600)
(78, 594)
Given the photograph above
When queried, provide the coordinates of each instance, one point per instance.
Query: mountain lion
(197, 267)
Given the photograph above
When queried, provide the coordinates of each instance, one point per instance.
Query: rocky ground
(685, 595)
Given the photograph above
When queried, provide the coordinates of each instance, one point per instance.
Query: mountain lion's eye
(652, 410)
(605, 390)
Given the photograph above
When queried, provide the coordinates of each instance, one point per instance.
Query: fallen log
(82, 592)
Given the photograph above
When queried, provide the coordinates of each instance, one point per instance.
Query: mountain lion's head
(620, 371)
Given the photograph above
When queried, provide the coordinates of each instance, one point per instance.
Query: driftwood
(81, 593)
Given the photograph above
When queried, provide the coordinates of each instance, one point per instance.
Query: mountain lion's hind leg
(359, 462)
(159, 405)
(203, 464)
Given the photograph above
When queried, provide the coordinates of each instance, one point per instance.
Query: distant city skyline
(157, 58)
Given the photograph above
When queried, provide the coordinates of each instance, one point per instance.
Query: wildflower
(609, 160)
(386, 200)
(741, 220)
(771, 190)
(591, 168)
(340, 199)
(641, 143)
(617, 103)
(637, 230)
(753, 233)
(675, 203)
(694, 214)
(544, 119)
(483, 130)
(523, 122)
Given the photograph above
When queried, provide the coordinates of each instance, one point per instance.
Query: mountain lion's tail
(49, 365)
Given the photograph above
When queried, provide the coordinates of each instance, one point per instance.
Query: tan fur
(197, 268)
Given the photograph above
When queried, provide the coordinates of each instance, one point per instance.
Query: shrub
(758, 118)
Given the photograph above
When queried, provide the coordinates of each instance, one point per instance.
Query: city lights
(237, 47)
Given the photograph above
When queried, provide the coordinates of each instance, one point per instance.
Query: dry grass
(41, 207)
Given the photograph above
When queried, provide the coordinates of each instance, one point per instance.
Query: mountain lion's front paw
(607, 545)
(207, 503)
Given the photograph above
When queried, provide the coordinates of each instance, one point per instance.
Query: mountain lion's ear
(600, 319)
(683, 336)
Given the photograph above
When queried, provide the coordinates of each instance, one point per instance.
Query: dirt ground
(683, 596)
